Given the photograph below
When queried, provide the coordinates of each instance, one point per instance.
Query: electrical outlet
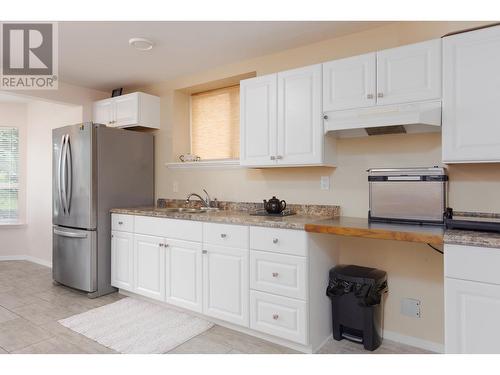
(325, 182)
(175, 186)
(411, 307)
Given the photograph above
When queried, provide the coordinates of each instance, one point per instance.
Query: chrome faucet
(207, 202)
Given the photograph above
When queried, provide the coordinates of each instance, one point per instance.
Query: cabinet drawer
(279, 316)
(286, 241)
(123, 223)
(278, 273)
(472, 263)
(225, 235)
(170, 228)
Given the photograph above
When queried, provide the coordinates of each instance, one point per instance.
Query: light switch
(175, 186)
(325, 183)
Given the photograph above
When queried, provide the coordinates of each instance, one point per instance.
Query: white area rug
(135, 326)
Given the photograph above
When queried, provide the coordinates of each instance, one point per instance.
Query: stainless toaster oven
(415, 195)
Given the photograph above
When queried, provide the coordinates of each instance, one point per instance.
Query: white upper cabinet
(409, 73)
(281, 120)
(258, 107)
(135, 109)
(471, 86)
(350, 83)
(300, 123)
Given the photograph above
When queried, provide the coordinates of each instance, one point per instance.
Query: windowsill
(220, 163)
(17, 224)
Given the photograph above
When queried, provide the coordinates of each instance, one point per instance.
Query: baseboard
(29, 258)
(414, 341)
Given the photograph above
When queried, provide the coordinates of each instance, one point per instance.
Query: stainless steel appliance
(95, 168)
(416, 195)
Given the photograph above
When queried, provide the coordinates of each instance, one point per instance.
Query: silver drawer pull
(275, 274)
(275, 316)
(161, 245)
(223, 235)
(204, 252)
(120, 222)
(275, 240)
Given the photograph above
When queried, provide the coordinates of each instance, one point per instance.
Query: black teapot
(274, 205)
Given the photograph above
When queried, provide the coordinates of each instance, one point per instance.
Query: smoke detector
(141, 44)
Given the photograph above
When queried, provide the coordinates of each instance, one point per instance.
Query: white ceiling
(97, 54)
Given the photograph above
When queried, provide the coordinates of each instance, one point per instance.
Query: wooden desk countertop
(360, 227)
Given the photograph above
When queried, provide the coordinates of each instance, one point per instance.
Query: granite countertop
(472, 238)
(297, 221)
(361, 227)
(322, 219)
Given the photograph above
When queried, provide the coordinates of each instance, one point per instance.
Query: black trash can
(357, 295)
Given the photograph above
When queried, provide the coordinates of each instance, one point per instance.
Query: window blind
(215, 123)
(9, 174)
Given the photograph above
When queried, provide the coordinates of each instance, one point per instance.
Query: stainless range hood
(419, 117)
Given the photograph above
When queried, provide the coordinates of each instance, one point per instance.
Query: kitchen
(332, 180)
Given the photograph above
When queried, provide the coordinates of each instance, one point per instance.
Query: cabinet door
(122, 258)
(300, 123)
(127, 110)
(471, 317)
(258, 121)
(350, 83)
(225, 284)
(103, 112)
(183, 274)
(410, 73)
(149, 266)
(471, 119)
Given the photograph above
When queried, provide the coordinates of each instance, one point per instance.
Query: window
(215, 123)
(9, 174)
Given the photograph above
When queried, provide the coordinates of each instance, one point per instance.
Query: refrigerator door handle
(69, 176)
(64, 159)
(70, 234)
(59, 174)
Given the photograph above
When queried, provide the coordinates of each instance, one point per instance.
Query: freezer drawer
(74, 257)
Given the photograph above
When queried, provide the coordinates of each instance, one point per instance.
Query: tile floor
(30, 306)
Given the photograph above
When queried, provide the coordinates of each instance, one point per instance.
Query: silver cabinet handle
(279, 157)
(223, 235)
(273, 157)
(161, 245)
(275, 316)
(275, 274)
(204, 252)
(380, 95)
(120, 223)
(275, 240)
(166, 245)
(369, 96)
(70, 234)
(325, 117)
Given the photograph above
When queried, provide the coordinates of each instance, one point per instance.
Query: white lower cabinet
(472, 299)
(225, 283)
(149, 266)
(184, 274)
(253, 277)
(122, 260)
(280, 316)
(472, 311)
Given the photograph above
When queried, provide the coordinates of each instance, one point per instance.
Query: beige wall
(414, 270)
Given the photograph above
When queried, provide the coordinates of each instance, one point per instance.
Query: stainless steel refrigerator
(95, 168)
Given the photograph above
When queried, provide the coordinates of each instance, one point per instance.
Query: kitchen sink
(188, 210)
